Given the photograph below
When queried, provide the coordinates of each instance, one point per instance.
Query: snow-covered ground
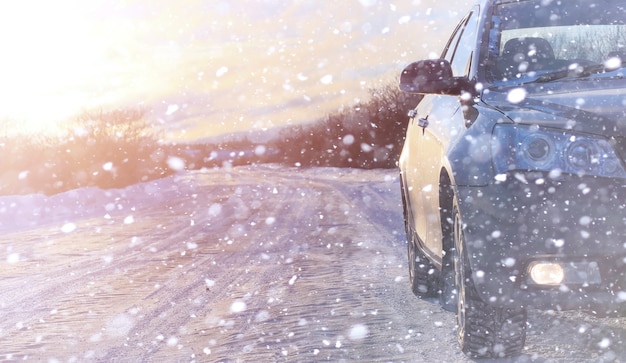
(255, 264)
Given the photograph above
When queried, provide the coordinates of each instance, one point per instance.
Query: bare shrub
(369, 135)
(109, 149)
(114, 148)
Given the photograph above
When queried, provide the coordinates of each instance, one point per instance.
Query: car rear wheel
(423, 275)
(482, 330)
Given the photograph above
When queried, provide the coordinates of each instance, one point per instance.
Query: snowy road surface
(254, 264)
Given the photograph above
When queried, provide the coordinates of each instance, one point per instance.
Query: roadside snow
(260, 263)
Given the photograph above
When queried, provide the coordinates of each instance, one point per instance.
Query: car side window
(462, 57)
(454, 39)
(460, 48)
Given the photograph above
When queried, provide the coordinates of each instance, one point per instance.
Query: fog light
(546, 273)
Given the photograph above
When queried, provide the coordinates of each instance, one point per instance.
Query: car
(513, 169)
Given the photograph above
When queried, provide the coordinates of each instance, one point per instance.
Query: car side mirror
(432, 76)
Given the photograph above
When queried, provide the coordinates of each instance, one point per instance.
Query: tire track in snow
(302, 265)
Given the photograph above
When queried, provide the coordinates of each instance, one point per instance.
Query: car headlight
(532, 148)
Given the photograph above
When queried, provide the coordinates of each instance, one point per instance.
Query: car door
(435, 121)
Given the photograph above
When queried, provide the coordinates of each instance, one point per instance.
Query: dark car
(513, 168)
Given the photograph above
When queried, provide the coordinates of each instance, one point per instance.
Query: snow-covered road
(254, 264)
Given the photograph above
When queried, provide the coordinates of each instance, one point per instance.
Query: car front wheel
(482, 330)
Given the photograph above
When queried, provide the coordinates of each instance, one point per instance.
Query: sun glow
(54, 62)
(228, 66)
(40, 50)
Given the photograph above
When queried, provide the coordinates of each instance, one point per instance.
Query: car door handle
(422, 122)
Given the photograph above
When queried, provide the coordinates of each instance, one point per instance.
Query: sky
(203, 68)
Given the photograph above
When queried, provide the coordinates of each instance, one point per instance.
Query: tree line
(117, 148)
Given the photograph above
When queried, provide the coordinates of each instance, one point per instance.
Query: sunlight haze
(202, 68)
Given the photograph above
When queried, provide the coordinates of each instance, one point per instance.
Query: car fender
(468, 160)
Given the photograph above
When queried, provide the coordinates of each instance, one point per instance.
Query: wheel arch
(446, 202)
(406, 208)
(448, 298)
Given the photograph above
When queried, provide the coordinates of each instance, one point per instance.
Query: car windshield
(544, 40)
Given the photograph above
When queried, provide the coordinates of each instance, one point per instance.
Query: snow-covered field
(254, 264)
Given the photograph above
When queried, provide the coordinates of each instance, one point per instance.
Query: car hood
(594, 106)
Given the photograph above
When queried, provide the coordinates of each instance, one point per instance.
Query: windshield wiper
(575, 72)
(551, 76)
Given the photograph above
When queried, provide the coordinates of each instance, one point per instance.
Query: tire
(423, 275)
(483, 331)
(449, 292)
(448, 297)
